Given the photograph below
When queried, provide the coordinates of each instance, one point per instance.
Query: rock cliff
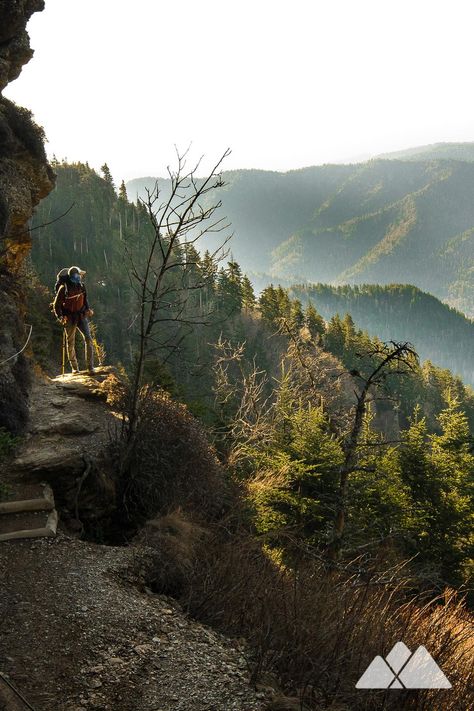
(25, 178)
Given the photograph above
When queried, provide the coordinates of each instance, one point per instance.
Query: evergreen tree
(268, 305)
(107, 175)
(314, 322)
(452, 523)
(248, 295)
(296, 315)
(335, 336)
(122, 194)
(229, 288)
(297, 492)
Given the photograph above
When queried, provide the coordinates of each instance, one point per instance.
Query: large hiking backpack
(75, 294)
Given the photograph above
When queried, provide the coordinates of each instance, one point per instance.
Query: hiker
(73, 312)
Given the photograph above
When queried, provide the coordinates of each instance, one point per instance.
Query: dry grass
(318, 630)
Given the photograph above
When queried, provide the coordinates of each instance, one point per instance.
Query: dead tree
(391, 358)
(160, 267)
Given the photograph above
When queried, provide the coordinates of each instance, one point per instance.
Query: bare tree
(161, 266)
(243, 399)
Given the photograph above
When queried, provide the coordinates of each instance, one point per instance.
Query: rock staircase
(35, 517)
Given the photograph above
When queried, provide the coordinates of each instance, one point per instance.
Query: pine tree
(268, 305)
(314, 322)
(122, 194)
(335, 336)
(107, 175)
(229, 287)
(296, 315)
(299, 493)
(453, 520)
(248, 295)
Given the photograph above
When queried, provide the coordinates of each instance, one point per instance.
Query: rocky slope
(25, 178)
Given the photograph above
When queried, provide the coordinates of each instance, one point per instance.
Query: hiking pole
(5, 679)
(64, 349)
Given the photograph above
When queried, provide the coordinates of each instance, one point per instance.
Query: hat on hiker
(76, 270)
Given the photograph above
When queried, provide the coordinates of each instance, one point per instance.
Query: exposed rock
(15, 48)
(67, 430)
(25, 178)
(52, 458)
(66, 423)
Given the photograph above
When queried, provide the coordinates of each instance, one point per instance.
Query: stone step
(11, 699)
(26, 518)
(44, 503)
(47, 530)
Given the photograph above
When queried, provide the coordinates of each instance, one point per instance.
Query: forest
(440, 333)
(272, 377)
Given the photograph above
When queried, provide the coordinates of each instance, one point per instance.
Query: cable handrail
(15, 355)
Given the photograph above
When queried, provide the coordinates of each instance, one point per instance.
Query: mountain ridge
(381, 221)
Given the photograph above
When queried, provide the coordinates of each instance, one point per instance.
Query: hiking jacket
(59, 306)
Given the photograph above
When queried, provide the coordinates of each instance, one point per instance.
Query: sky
(283, 84)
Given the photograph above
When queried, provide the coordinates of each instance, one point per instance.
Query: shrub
(175, 546)
(171, 465)
(20, 122)
(7, 443)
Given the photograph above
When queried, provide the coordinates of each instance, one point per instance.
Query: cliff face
(25, 178)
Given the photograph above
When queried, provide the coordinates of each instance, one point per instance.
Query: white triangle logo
(403, 670)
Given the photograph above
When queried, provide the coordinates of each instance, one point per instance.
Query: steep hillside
(383, 221)
(400, 312)
(111, 643)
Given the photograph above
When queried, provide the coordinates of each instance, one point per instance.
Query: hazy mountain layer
(384, 221)
(434, 151)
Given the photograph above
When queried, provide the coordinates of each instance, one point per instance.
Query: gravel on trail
(77, 633)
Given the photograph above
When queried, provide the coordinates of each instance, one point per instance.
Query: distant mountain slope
(434, 151)
(392, 222)
(384, 221)
(401, 312)
(265, 207)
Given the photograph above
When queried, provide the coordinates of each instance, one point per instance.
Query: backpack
(61, 279)
(74, 300)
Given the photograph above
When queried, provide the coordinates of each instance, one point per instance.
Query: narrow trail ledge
(76, 630)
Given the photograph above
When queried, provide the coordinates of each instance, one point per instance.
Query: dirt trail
(78, 634)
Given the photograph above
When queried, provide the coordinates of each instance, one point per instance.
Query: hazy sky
(284, 84)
